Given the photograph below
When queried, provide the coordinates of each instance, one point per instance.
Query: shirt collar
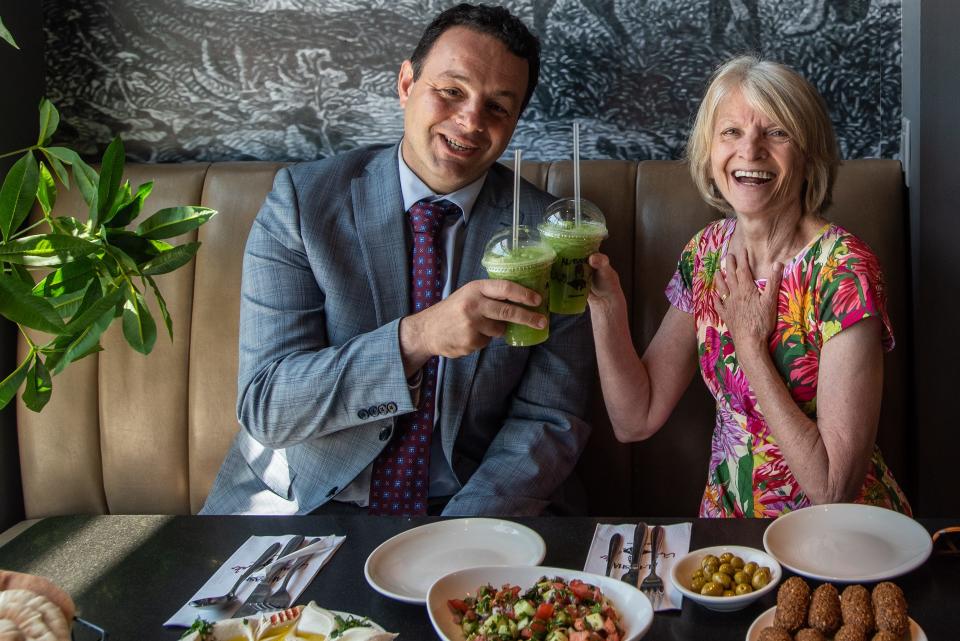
(415, 190)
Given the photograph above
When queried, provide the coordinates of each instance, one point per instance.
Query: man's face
(460, 113)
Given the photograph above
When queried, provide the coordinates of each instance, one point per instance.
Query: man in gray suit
(336, 363)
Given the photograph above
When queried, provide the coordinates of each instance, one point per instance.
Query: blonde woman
(781, 311)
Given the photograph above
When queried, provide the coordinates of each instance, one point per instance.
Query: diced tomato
(544, 611)
(579, 624)
(537, 627)
(458, 605)
(526, 633)
(584, 592)
(581, 635)
(609, 626)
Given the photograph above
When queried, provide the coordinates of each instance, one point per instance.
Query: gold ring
(723, 298)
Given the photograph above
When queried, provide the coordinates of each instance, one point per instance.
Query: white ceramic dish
(241, 629)
(404, 567)
(634, 608)
(684, 568)
(847, 543)
(765, 620)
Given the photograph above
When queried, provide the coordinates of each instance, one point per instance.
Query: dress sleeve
(852, 289)
(679, 290)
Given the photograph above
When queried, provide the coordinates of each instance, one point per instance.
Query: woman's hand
(749, 313)
(606, 296)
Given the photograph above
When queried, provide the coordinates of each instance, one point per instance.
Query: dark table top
(129, 574)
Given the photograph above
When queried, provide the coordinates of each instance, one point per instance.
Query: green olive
(728, 593)
(726, 568)
(750, 568)
(697, 573)
(711, 589)
(722, 579)
(697, 583)
(725, 557)
(709, 560)
(710, 569)
(743, 588)
(760, 578)
(741, 578)
(737, 563)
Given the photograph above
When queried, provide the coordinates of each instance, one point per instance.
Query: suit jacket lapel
(382, 235)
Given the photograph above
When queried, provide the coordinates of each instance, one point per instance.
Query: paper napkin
(676, 543)
(233, 567)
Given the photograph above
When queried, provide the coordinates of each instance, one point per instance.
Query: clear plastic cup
(571, 274)
(527, 264)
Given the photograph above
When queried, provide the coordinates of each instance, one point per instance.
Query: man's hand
(466, 321)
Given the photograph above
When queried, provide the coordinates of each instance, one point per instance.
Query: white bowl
(636, 613)
(684, 568)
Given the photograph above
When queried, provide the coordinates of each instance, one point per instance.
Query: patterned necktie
(400, 480)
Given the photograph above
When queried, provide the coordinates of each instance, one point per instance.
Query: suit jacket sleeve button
(362, 414)
(382, 408)
(372, 410)
(391, 407)
(385, 433)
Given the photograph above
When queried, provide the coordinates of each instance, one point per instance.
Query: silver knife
(613, 551)
(262, 591)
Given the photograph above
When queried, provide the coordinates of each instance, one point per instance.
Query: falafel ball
(890, 608)
(886, 635)
(855, 607)
(850, 632)
(824, 612)
(809, 634)
(774, 634)
(793, 598)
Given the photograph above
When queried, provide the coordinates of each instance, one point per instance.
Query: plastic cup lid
(560, 220)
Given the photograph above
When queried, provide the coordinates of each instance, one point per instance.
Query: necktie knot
(427, 217)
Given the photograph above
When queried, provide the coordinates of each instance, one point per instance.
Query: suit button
(385, 433)
(382, 408)
(362, 414)
(332, 491)
(391, 407)
(372, 411)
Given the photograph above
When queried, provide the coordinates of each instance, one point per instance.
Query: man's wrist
(412, 351)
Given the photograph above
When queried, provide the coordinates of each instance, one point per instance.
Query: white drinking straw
(576, 170)
(516, 199)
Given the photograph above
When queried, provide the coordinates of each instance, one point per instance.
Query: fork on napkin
(676, 543)
(322, 549)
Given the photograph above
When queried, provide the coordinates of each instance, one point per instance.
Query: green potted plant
(71, 277)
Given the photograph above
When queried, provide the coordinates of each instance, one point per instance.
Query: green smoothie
(528, 266)
(571, 274)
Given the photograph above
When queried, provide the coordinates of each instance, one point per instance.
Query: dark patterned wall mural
(302, 79)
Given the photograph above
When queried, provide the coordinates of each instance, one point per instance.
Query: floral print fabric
(831, 284)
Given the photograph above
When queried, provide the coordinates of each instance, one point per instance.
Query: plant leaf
(46, 250)
(38, 387)
(138, 248)
(163, 306)
(19, 305)
(18, 192)
(46, 190)
(111, 173)
(63, 154)
(170, 260)
(58, 167)
(49, 121)
(82, 343)
(128, 212)
(139, 328)
(72, 277)
(89, 313)
(87, 178)
(174, 221)
(6, 35)
(10, 385)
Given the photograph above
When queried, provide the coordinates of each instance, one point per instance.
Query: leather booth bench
(124, 433)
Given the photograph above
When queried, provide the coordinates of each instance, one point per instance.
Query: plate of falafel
(823, 614)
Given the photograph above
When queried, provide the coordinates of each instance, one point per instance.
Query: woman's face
(755, 165)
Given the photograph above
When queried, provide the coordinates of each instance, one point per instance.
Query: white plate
(636, 613)
(765, 620)
(847, 543)
(405, 566)
(233, 629)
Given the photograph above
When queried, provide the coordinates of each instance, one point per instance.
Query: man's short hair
(787, 98)
(489, 20)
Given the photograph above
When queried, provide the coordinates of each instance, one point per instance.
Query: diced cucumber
(524, 608)
(594, 621)
(557, 635)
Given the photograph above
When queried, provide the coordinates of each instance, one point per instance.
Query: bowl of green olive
(725, 577)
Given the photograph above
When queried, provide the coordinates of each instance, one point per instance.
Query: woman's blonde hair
(787, 98)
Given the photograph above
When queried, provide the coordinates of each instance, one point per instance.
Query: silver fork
(652, 584)
(281, 599)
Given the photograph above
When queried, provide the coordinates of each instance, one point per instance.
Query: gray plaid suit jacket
(321, 381)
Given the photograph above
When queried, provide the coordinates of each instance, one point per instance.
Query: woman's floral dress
(831, 284)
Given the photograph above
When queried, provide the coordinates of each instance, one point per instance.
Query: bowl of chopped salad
(503, 603)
